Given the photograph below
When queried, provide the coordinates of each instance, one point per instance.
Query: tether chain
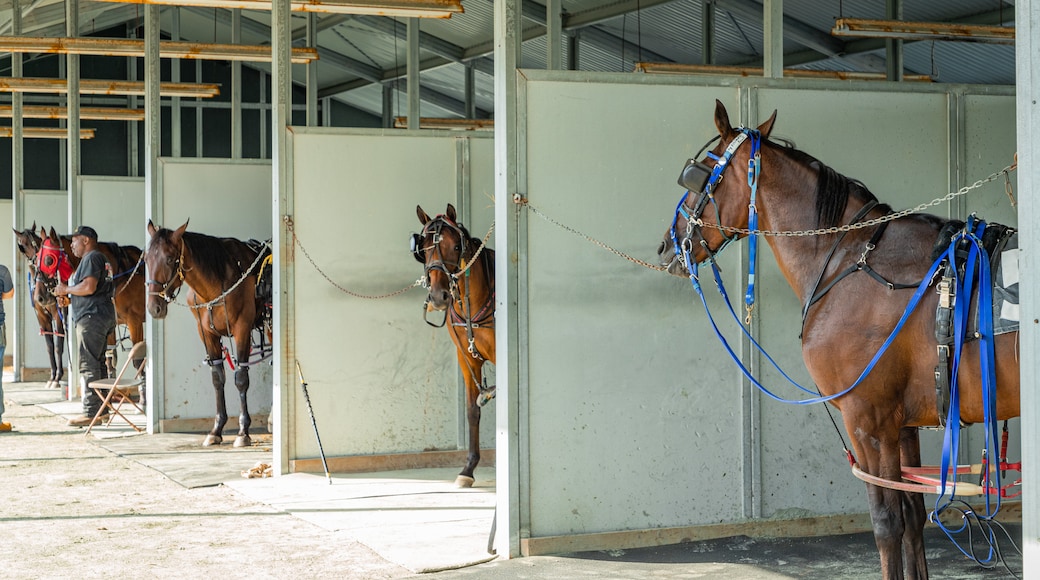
(859, 225)
(538, 213)
(289, 223)
(259, 256)
(476, 254)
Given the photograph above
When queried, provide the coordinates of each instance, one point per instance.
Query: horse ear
(450, 212)
(151, 229)
(766, 128)
(424, 218)
(53, 235)
(722, 119)
(179, 233)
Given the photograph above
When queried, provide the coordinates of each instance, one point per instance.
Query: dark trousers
(92, 335)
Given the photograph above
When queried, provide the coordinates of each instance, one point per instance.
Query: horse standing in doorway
(49, 315)
(828, 273)
(460, 274)
(222, 275)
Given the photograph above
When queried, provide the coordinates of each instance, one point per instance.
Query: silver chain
(538, 213)
(246, 274)
(480, 249)
(859, 225)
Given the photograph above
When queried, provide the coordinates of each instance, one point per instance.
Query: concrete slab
(415, 518)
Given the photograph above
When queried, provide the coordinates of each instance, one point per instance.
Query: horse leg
(52, 382)
(913, 510)
(59, 354)
(877, 448)
(474, 375)
(244, 420)
(215, 437)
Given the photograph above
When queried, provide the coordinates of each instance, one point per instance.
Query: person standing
(6, 291)
(93, 313)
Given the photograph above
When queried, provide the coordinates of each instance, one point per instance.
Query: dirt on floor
(71, 509)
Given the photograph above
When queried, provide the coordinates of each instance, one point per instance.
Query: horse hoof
(212, 440)
(464, 481)
(243, 441)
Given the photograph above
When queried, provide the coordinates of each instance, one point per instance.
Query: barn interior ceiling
(362, 58)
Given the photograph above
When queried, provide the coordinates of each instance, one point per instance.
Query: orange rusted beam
(135, 47)
(45, 133)
(446, 123)
(677, 68)
(99, 87)
(92, 113)
(865, 28)
(401, 8)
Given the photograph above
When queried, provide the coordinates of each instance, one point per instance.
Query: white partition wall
(220, 198)
(114, 206)
(632, 416)
(380, 380)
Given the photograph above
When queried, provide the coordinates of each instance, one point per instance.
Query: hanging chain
(860, 225)
(289, 223)
(246, 274)
(480, 249)
(538, 213)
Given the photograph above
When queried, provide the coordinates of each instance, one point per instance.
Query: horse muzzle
(668, 259)
(157, 307)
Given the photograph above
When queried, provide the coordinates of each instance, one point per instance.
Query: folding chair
(118, 391)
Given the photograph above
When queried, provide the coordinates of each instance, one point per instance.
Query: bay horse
(50, 317)
(462, 285)
(222, 277)
(796, 192)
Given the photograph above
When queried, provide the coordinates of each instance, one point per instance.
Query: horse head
(52, 265)
(441, 247)
(28, 242)
(163, 263)
(710, 201)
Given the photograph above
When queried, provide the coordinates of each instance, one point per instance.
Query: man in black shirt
(94, 313)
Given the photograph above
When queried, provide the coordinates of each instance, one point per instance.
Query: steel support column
(510, 222)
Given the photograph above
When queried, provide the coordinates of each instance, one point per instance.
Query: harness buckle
(867, 250)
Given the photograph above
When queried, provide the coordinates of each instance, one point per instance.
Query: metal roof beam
(795, 30)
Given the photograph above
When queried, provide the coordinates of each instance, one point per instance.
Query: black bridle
(433, 230)
(168, 289)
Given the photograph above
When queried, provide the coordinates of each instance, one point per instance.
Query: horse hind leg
(215, 437)
(244, 420)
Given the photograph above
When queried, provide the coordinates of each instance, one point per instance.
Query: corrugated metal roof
(361, 52)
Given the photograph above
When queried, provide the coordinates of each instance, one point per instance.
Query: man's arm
(8, 284)
(86, 287)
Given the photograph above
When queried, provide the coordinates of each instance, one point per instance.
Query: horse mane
(208, 253)
(833, 189)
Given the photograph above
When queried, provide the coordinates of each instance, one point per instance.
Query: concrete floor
(420, 521)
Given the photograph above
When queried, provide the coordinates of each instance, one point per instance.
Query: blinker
(416, 247)
(694, 175)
